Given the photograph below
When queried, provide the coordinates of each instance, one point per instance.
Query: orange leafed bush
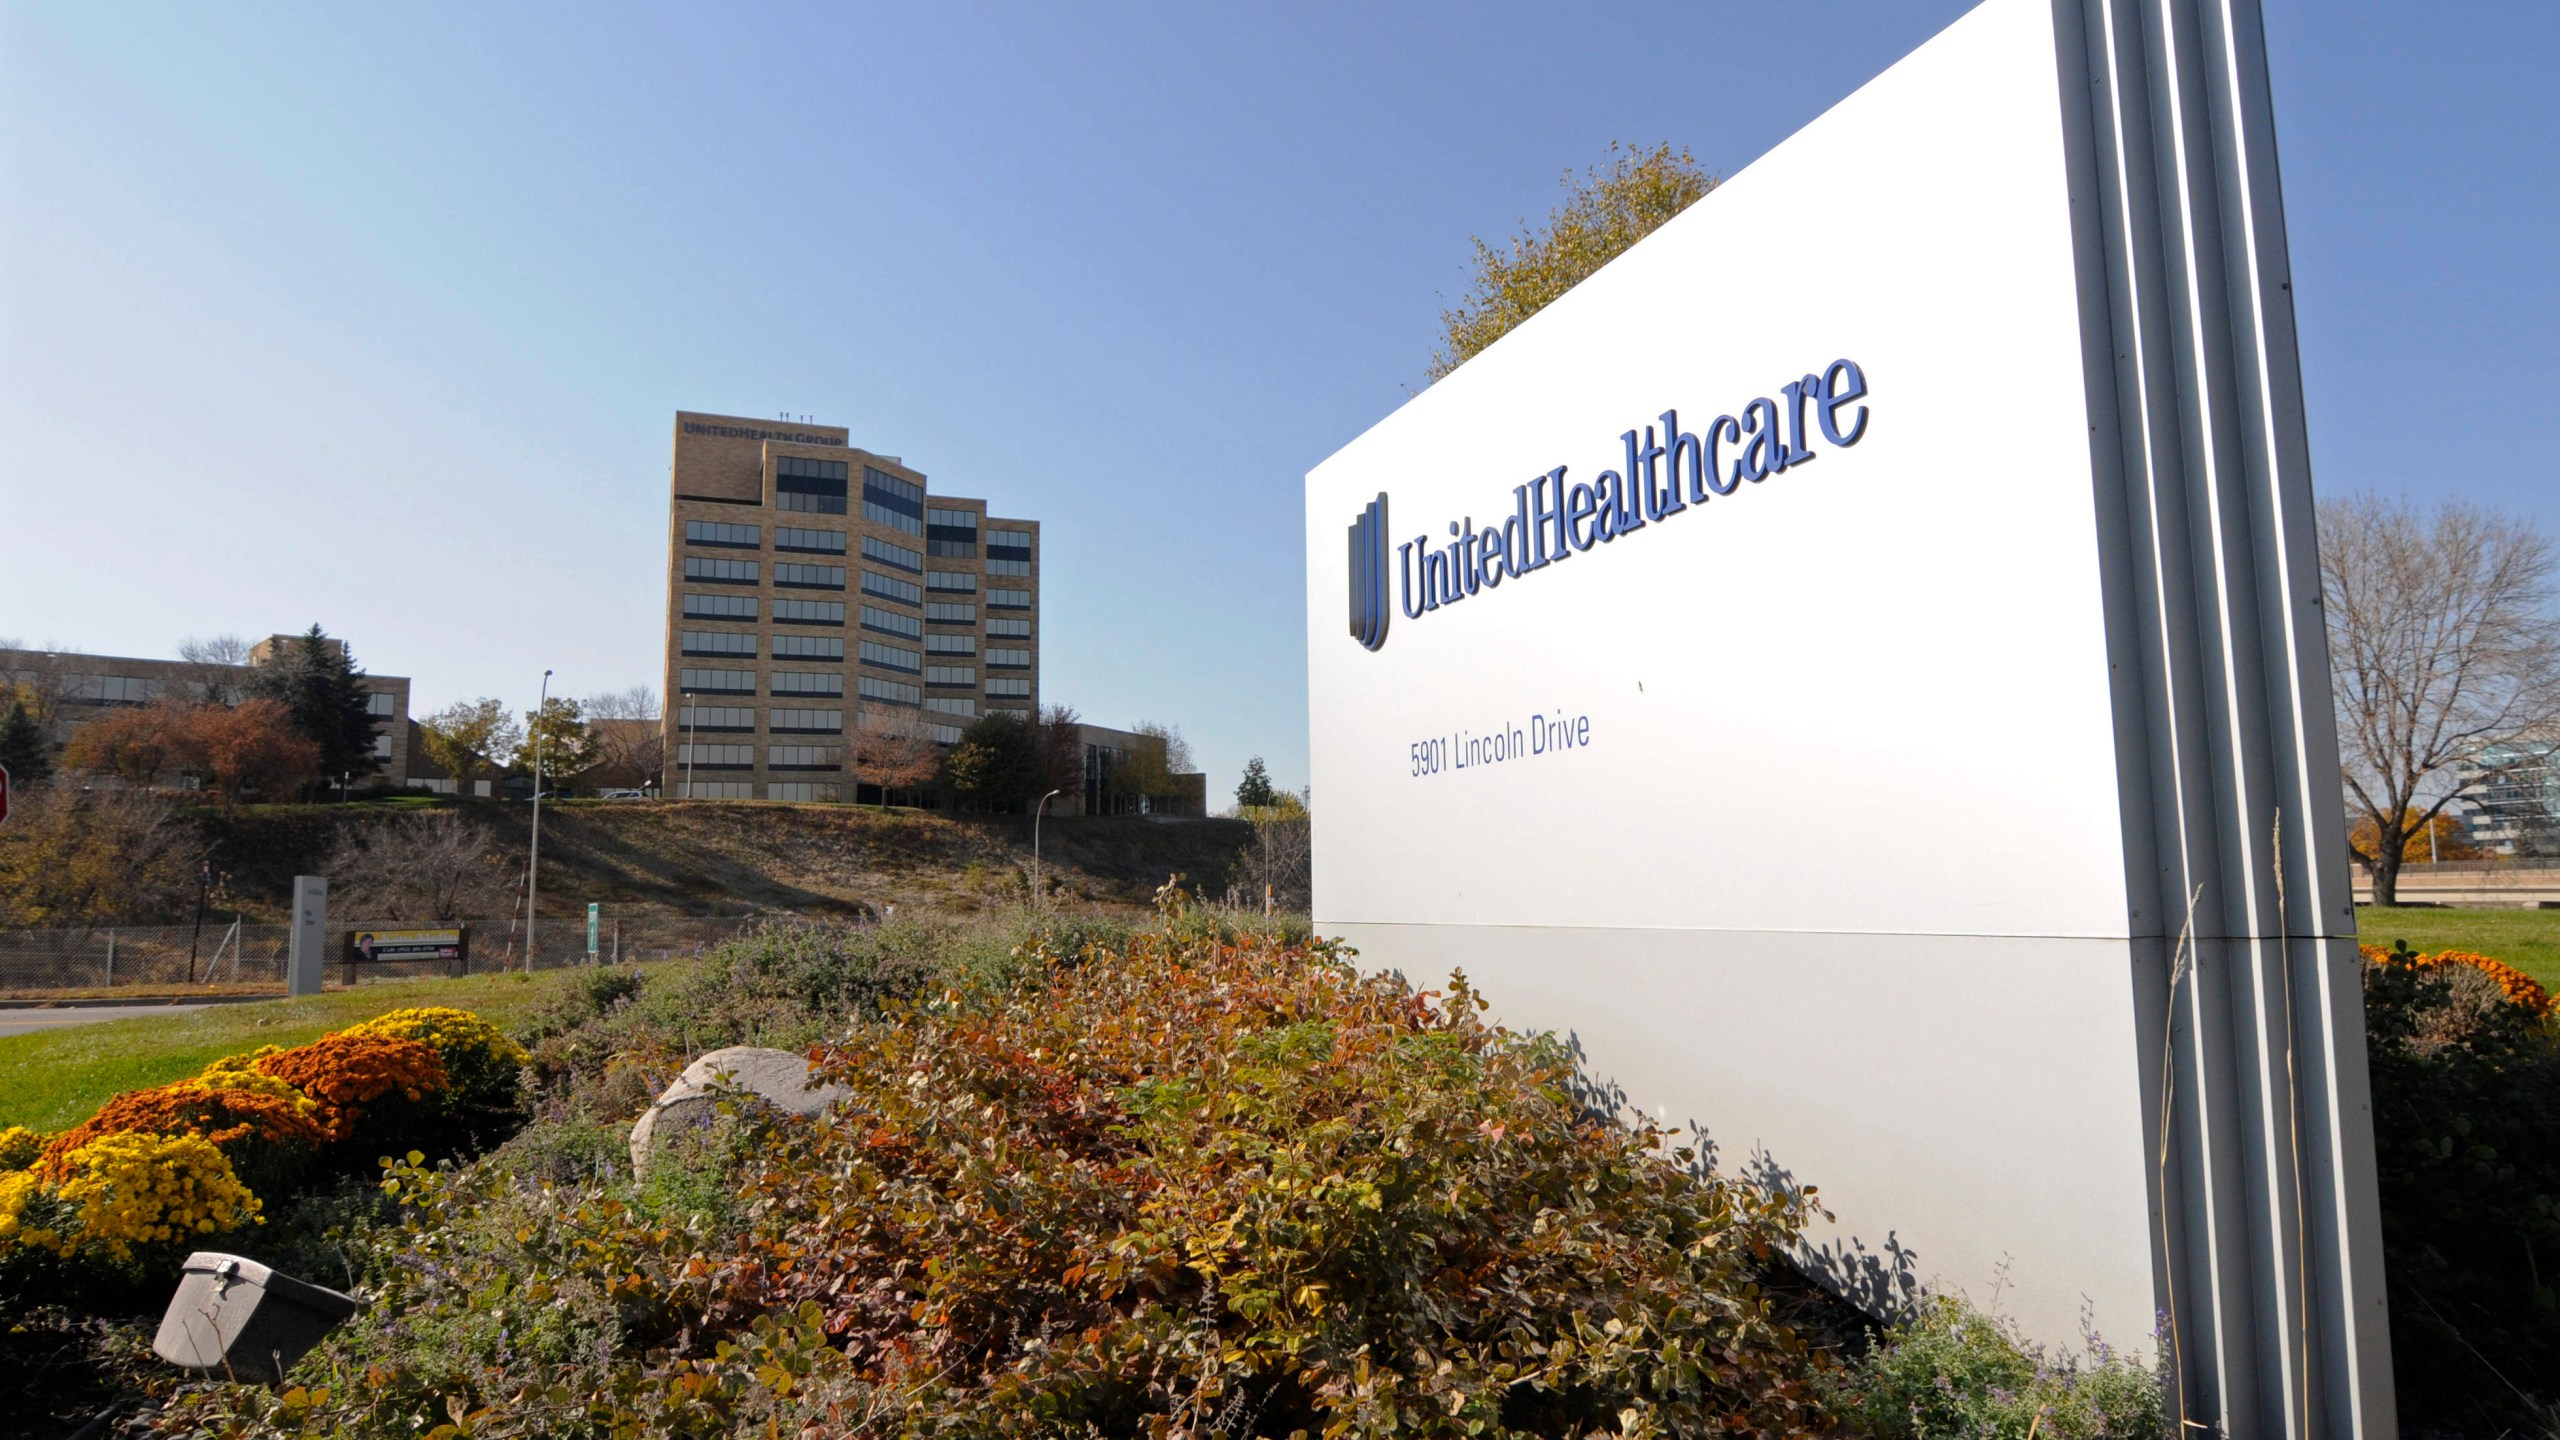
(2522, 989)
(184, 1107)
(346, 1071)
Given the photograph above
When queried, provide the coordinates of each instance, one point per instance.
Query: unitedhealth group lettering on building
(1666, 473)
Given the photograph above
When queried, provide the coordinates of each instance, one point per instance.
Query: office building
(67, 689)
(813, 588)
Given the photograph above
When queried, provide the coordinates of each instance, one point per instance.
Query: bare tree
(631, 744)
(77, 857)
(418, 867)
(214, 663)
(2442, 646)
(893, 750)
(1279, 863)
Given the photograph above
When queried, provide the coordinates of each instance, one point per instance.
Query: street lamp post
(1037, 897)
(533, 863)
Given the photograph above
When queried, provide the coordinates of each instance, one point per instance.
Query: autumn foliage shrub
(346, 1072)
(2466, 1122)
(1187, 1187)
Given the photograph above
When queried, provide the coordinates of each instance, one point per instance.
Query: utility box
(240, 1317)
(307, 950)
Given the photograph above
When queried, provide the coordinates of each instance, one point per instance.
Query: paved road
(19, 1020)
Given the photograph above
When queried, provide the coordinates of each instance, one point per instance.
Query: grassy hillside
(729, 858)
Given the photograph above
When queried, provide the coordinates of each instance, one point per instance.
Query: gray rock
(776, 1078)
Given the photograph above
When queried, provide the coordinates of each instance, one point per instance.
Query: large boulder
(758, 1076)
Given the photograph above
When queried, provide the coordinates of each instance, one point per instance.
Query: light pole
(1036, 810)
(533, 863)
(684, 715)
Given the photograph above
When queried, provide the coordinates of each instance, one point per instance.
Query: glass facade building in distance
(812, 584)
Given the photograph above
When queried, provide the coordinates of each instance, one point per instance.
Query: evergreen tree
(23, 751)
(1255, 791)
(997, 764)
(318, 682)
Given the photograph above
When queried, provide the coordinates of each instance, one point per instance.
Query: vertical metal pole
(111, 959)
(1037, 895)
(533, 862)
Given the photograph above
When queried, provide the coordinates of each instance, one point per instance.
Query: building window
(1008, 659)
(890, 622)
(890, 692)
(801, 682)
(943, 734)
(807, 722)
(1008, 599)
(822, 542)
(809, 577)
(808, 647)
(715, 717)
(951, 533)
(875, 548)
(695, 756)
(718, 571)
(380, 703)
(946, 612)
(716, 789)
(875, 653)
(890, 588)
(803, 757)
(1009, 629)
(1009, 689)
(713, 532)
(815, 486)
(888, 500)
(806, 792)
(717, 642)
(951, 705)
(719, 607)
(1016, 711)
(716, 682)
(1008, 552)
(951, 674)
(951, 644)
(957, 581)
(808, 612)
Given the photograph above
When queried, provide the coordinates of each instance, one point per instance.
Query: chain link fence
(225, 953)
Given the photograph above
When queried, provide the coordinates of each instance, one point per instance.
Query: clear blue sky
(376, 315)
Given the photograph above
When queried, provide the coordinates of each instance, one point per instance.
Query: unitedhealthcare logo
(1369, 574)
(1667, 472)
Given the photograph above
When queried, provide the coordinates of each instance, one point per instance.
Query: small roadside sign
(594, 912)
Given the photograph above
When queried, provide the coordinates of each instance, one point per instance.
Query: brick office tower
(812, 588)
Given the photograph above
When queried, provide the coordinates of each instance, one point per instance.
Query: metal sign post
(594, 914)
(306, 951)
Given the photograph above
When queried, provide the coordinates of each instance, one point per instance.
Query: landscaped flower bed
(160, 1171)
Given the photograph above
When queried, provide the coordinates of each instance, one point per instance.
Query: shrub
(265, 1135)
(1953, 1371)
(2466, 1129)
(480, 1062)
(1187, 1188)
(137, 1193)
(19, 1147)
(348, 1071)
(2519, 988)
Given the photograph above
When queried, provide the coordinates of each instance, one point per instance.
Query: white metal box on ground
(1854, 665)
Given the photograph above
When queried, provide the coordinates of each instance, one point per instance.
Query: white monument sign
(1854, 665)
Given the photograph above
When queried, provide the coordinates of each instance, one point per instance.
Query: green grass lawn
(2527, 939)
(53, 1079)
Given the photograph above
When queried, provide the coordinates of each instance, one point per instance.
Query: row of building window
(743, 717)
(1003, 629)
(822, 792)
(950, 612)
(875, 548)
(888, 500)
(890, 588)
(814, 486)
(808, 577)
(890, 622)
(1008, 659)
(889, 692)
(891, 656)
(713, 532)
(950, 675)
(824, 542)
(700, 756)
(1009, 689)
(1009, 599)
(951, 644)
(957, 581)
(720, 572)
